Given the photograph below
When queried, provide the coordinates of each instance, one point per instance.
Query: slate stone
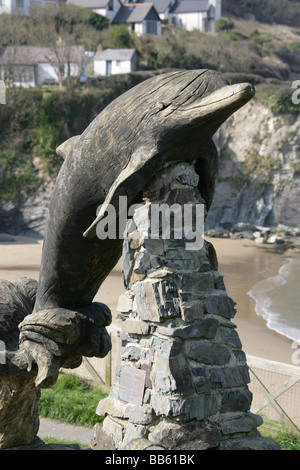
(195, 435)
(220, 304)
(205, 328)
(245, 422)
(156, 300)
(154, 246)
(131, 353)
(197, 407)
(230, 337)
(196, 282)
(201, 379)
(249, 443)
(230, 376)
(207, 352)
(172, 375)
(166, 347)
(192, 311)
(235, 400)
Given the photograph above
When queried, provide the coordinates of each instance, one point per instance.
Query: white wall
(12, 6)
(22, 75)
(141, 28)
(218, 8)
(107, 12)
(21, 9)
(122, 66)
(189, 21)
(46, 72)
(6, 6)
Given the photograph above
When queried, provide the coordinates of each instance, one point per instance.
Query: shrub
(224, 24)
(120, 36)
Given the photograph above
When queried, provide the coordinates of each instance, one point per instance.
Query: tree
(120, 36)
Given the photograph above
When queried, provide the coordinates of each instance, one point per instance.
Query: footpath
(64, 431)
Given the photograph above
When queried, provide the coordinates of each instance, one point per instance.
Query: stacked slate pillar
(182, 379)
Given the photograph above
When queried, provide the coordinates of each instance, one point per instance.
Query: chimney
(99, 48)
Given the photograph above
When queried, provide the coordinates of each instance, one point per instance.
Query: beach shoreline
(242, 263)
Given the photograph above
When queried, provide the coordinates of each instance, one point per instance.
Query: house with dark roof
(114, 61)
(146, 17)
(140, 17)
(107, 8)
(34, 65)
(189, 14)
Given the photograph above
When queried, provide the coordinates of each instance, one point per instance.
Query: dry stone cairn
(182, 381)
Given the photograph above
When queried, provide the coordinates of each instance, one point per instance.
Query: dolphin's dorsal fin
(64, 149)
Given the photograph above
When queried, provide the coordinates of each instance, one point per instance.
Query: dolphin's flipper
(129, 182)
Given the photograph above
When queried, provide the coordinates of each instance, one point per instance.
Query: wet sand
(242, 263)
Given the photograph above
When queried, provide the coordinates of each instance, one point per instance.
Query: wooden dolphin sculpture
(169, 118)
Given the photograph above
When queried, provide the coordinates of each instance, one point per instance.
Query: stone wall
(182, 379)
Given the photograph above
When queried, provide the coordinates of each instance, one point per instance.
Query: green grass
(54, 440)
(286, 438)
(71, 400)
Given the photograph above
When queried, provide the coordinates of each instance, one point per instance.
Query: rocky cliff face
(258, 181)
(27, 215)
(259, 170)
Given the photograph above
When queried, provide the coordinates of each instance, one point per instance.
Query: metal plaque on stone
(132, 385)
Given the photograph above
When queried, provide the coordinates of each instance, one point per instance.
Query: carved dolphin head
(186, 107)
(170, 117)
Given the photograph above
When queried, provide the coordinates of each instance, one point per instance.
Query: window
(2, 3)
(20, 3)
(111, 5)
(151, 27)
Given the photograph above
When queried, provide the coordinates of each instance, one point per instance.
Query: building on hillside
(34, 65)
(114, 61)
(189, 14)
(193, 14)
(146, 16)
(22, 7)
(107, 8)
(142, 18)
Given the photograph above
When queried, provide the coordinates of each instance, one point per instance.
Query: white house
(22, 7)
(114, 61)
(107, 8)
(34, 65)
(142, 18)
(146, 17)
(189, 14)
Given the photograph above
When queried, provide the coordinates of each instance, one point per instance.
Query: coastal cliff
(258, 181)
(259, 169)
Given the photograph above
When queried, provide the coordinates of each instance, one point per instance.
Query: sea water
(277, 300)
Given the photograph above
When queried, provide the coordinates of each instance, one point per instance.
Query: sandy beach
(242, 263)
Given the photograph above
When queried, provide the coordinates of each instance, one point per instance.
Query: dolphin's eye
(162, 106)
